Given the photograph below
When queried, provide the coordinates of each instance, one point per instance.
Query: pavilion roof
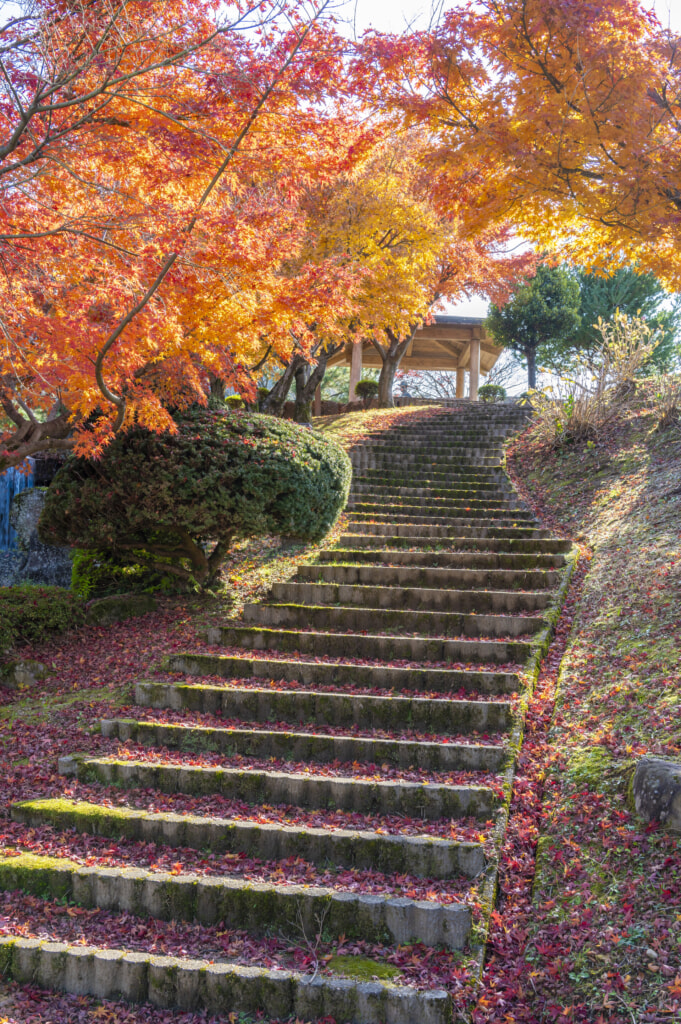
(444, 344)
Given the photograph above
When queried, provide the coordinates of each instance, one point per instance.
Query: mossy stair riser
(476, 560)
(427, 623)
(281, 788)
(233, 903)
(197, 985)
(389, 854)
(346, 710)
(438, 526)
(489, 602)
(464, 520)
(310, 673)
(308, 746)
(435, 536)
(479, 497)
(497, 580)
(386, 648)
(456, 507)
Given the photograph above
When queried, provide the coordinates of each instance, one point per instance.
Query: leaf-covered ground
(594, 934)
(94, 671)
(590, 931)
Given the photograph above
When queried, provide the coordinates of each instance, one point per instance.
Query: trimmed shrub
(98, 574)
(28, 613)
(366, 389)
(234, 402)
(491, 393)
(175, 503)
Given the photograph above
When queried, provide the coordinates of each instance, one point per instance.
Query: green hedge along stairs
(395, 670)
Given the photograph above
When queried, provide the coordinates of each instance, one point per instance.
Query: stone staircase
(382, 686)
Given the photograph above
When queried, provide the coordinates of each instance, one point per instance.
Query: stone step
(425, 576)
(344, 710)
(409, 799)
(471, 526)
(433, 477)
(305, 746)
(491, 496)
(259, 907)
(452, 465)
(416, 598)
(377, 646)
(427, 537)
(315, 673)
(461, 451)
(390, 620)
(424, 856)
(480, 513)
(488, 498)
(437, 442)
(473, 560)
(191, 985)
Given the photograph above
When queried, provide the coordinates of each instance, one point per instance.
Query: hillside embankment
(599, 935)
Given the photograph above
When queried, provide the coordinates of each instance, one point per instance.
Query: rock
(18, 675)
(105, 610)
(39, 563)
(657, 791)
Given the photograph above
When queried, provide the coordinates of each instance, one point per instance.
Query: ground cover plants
(593, 934)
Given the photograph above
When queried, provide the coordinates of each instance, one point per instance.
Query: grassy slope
(605, 939)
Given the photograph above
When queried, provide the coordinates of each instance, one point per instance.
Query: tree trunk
(531, 356)
(303, 408)
(216, 398)
(391, 357)
(305, 395)
(274, 402)
(386, 381)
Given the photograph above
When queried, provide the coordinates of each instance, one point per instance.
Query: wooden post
(318, 401)
(355, 370)
(475, 369)
(460, 382)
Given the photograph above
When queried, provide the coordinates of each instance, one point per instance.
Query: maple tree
(153, 154)
(569, 110)
(406, 253)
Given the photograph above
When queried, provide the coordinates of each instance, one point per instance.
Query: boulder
(105, 610)
(38, 563)
(20, 675)
(657, 791)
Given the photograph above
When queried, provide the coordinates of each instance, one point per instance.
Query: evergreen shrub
(176, 502)
(28, 613)
(491, 393)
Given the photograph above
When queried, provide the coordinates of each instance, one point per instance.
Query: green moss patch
(362, 968)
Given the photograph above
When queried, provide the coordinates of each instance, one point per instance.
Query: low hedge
(29, 613)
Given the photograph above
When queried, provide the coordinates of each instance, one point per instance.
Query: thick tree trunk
(305, 395)
(386, 381)
(531, 356)
(274, 402)
(391, 357)
(303, 408)
(216, 398)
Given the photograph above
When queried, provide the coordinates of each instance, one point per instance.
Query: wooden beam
(355, 370)
(448, 346)
(474, 376)
(465, 356)
(460, 382)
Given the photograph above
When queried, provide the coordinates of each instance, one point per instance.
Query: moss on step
(362, 968)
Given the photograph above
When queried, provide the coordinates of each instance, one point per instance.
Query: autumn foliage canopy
(190, 190)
